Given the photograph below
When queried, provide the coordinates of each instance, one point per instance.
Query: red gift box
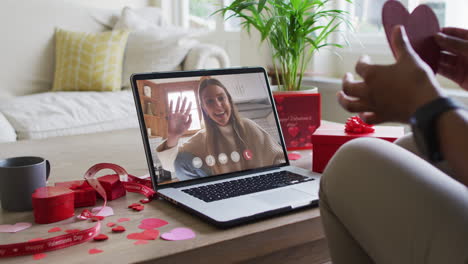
(300, 114)
(52, 204)
(85, 195)
(330, 136)
(113, 186)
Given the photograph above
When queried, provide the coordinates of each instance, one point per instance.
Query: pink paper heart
(95, 251)
(124, 219)
(106, 211)
(14, 228)
(180, 233)
(150, 223)
(421, 26)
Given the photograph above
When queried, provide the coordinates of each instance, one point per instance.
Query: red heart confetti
(294, 156)
(145, 235)
(95, 251)
(118, 229)
(124, 219)
(133, 205)
(55, 229)
(139, 208)
(39, 256)
(110, 224)
(35, 239)
(100, 237)
(97, 218)
(85, 214)
(150, 223)
(144, 201)
(69, 231)
(140, 242)
(355, 125)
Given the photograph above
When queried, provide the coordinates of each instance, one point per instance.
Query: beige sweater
(266, 151)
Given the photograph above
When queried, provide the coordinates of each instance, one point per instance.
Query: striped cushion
(89, 61)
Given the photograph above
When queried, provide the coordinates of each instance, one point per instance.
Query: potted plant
(294, 30)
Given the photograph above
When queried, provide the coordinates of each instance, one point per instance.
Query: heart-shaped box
(421, 26)
(52, 204)
(85, 195)
(113, 186)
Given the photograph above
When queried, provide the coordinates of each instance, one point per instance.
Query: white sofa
(28, 110)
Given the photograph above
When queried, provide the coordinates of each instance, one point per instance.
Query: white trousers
(381, 203)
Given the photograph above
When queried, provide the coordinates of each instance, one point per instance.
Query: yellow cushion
(89, 61)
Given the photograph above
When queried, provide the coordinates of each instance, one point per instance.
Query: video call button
(210, 160)
(235, 157)
(197, 162)
(222, 158)
(248, 155)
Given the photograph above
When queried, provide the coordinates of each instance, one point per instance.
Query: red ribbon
(49, 244)
(355, 125)
(130, 182)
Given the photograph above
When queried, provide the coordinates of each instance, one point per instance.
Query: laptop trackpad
(284, 197)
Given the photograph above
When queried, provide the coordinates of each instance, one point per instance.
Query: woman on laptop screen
(228, 143)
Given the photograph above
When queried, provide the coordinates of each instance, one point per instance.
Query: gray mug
(19, 177)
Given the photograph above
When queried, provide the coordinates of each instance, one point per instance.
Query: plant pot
(300, 114)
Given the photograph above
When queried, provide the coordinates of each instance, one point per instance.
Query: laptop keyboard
(258, 183)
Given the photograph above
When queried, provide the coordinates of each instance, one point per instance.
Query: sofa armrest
(206, 56)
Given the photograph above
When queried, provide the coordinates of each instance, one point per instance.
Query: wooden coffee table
(292, 238)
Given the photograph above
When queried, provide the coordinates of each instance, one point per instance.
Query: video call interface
(209, 125)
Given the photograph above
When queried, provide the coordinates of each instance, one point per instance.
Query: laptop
(214, 145)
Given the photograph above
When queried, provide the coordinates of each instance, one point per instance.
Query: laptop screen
(207, 123)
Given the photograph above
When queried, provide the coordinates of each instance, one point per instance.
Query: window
(369, 37)
(191, 98)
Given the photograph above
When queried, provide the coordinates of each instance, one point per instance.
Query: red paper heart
(293, 131)
(140, 242)
(150, 223)
(55, 229)
(100, 237)
(145, 235)
(110, 224)
(95, 251)
(97, 218)
(39, 256)
(118, 229)
(124, 219)
(133, 205)
(294, 156)
(421, 26)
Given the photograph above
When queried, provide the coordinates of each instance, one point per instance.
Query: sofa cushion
(152, 47)
(69, 113)
(7, 132)
(89, 61)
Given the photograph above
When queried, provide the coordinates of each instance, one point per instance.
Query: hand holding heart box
(421, 26)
